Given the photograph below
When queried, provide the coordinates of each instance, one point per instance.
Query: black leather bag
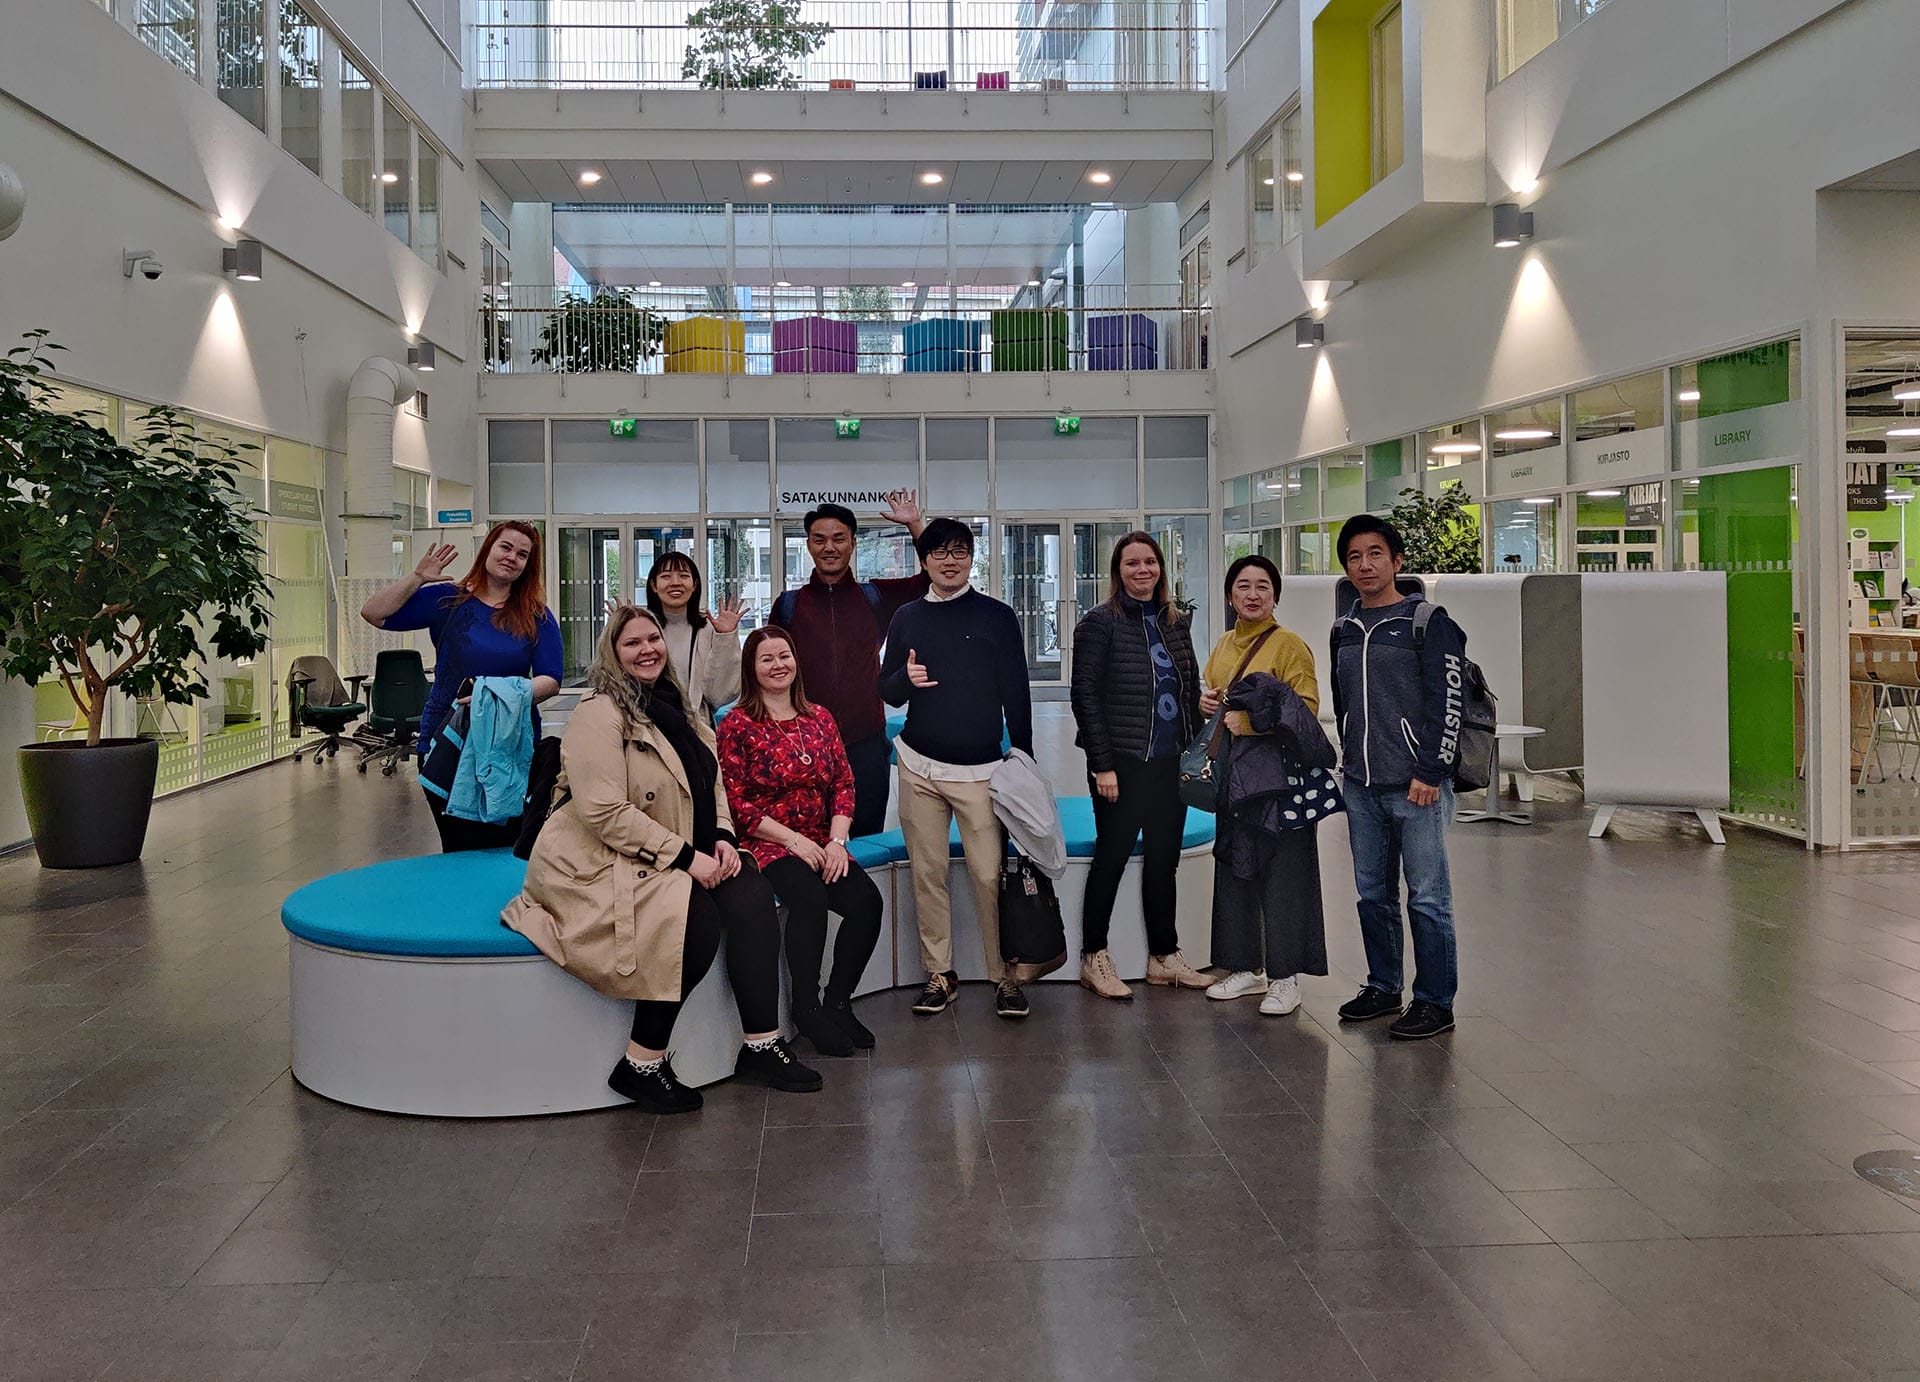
(1200, 760)
(1033, 937)
(441, 762)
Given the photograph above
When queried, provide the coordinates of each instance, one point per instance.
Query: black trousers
(457, 835)
(808, 900)
(1149, 804)
(872, 764)
(1273, 923)
(740, 913)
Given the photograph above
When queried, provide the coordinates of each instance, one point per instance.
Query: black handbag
(1199, 782)
(1033, 937)
(441, 762)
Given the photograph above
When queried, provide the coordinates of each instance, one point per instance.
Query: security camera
(13, 201)
(145, 261)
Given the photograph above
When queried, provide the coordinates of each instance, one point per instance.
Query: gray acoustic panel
(1551, 671)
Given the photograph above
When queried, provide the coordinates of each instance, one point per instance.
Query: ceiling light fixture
(1511, 225)
(909, 283)
(1687, 396)
(1308, 333)
(1455, 448)
(932, 179)
(1033, 283)
(1903, 431)
(1541, 499)
(1907, 393)
(243, 260)
(1525, 434)
(389, 178)
(1099, 178)
(782, 283)
(1266, 182)
(653, 283)
(1603, 494)
(761, 179)
(588, 177)
(1295, 175)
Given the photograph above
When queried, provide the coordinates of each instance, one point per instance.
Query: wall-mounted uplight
(243, 261)
(1511, 225)
(421, 356)
(1308, 333)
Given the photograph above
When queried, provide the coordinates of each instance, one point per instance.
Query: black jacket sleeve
(1016, 697)
(1092, 641)
(1442, 680)
(895, 689)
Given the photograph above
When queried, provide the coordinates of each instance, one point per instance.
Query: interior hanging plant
(123, 564)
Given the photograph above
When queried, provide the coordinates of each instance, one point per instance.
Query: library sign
(1608, 461)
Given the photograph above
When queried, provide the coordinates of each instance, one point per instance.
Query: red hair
(526, 602)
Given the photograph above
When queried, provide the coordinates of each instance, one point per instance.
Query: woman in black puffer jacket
(1136, 700)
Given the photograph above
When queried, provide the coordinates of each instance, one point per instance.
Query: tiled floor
(1630, 1161)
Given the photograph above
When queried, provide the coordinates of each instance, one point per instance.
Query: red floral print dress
(792, 771)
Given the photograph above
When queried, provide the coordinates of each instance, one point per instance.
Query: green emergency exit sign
(847, 428)
(623, 426)
(1066, 426)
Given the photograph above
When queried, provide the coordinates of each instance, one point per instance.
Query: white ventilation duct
(379, 387)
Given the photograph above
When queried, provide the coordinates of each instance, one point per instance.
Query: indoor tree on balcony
(748, 44)
(604, 332)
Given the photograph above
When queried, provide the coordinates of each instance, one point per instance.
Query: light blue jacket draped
(490, 783)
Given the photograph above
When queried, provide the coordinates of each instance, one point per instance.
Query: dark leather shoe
(657, 1091)
(1370, 1003)
(1422, 1020)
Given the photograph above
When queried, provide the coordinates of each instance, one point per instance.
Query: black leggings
(741, 911)
(457, 835)
(1149, 804)
(808, 901)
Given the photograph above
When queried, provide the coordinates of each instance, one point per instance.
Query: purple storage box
(1126, 340)
(815, 345)
(1122, 357)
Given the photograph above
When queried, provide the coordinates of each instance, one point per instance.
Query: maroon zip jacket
(837, 634)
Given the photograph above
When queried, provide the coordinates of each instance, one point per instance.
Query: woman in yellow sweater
(1270, 929)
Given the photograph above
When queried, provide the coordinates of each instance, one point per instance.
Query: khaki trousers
(927, 810)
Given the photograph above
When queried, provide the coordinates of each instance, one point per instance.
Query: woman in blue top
(492, 622)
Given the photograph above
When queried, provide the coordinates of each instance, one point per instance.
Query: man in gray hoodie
(1397, 686)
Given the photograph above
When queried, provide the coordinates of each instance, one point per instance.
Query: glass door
(605, 562)
(1052, 572)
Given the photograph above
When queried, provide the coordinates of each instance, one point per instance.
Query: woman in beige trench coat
(634, 881)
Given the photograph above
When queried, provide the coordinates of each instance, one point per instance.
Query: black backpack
(545, 794)
(1476, 758)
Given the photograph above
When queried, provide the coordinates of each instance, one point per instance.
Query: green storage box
(1029, 338)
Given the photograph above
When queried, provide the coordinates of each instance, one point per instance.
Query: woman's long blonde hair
(608, 678)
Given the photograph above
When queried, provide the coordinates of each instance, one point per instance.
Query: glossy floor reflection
(1631, 1160)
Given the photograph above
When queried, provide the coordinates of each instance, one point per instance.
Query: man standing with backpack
(1399, 678)
(838, 623)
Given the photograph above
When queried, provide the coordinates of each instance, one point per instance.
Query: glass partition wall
(1046, 497)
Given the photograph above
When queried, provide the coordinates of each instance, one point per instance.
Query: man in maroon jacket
(838, 624)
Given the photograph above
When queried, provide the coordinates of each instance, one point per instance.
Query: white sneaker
(1283, 996)
(1242, 983)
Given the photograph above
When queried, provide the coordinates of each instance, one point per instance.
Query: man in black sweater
(956, 660)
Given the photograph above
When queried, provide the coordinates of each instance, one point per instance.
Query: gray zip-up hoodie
(1398, 710)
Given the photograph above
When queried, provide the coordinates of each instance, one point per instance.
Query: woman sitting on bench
(634, 880)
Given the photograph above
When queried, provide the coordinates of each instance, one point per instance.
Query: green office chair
(319, 701)
(397, 694)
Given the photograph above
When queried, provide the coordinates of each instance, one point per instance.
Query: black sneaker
(939, 994)
(1009, 1001)
(829, 1038)
(774, 1066)
(1422, 1020)
(841, 1012)
(1370, 1003)
(657, 1090)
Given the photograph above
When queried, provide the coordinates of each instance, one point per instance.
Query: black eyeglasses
(950, 554)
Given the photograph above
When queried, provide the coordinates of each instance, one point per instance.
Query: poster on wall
(1646, 504)
(1867, 486)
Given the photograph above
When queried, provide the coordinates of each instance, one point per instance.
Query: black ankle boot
(840, 1010)
(774, 1066)
(829, 1038)
(657, 1090)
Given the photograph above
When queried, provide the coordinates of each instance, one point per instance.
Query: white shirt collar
(936, 598)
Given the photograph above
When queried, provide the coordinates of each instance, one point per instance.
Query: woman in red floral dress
(791, 791)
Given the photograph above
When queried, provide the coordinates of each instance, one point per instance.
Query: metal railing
(528, 329)
(927, 45)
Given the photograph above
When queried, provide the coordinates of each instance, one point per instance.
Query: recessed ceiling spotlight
(909, 283)
(1688, 396)
(1295, 175)
(1033, 283)
(933, 179)
(1524, 434)
(1099, 178)
(653, 283)
(761, 179)
(1266, 182)
(783, 284)
(389, 178)
(588, 177)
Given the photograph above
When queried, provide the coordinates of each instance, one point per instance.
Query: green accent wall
(1342, 107)
(1751, 378)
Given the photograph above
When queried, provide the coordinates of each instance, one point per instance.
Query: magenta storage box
(815, 345)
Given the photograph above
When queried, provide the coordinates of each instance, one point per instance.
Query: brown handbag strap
(1220, 725)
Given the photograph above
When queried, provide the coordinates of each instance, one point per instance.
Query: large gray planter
(88, 804)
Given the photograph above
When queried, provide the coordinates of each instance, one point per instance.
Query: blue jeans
(1389, 834)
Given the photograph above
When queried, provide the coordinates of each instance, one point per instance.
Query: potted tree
(748, 44)
(604, 332)
(118, 561)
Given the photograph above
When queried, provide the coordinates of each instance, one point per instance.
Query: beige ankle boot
(1098, 974)
(1173, 969)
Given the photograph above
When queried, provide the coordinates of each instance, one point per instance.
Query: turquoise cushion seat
(872, 852)
(440, 904)
(1076, 824)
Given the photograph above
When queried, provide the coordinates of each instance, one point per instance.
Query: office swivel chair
(319, 701)
(397, 695)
